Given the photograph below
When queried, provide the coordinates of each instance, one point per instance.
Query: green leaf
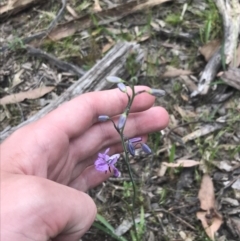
(109, 232)
(102, 220)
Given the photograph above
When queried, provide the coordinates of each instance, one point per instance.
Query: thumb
(72, 212)
(44, 209)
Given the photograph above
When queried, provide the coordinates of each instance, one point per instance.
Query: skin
(47, 166)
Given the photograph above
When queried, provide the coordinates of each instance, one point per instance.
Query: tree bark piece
(114, 63)
(232, 77)
(230, 11)
(15, 6)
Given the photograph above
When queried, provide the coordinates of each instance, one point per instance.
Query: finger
(49, 210)
(90, 178)
(77, 115)
(69, 212)
(103, 135)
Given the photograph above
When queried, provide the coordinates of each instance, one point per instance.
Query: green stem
(126, 159)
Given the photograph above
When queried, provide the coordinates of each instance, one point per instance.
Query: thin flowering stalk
(126, 160)
(106, 163)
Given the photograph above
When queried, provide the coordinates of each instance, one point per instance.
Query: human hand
(47, 166)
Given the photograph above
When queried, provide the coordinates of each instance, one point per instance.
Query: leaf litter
(205, 132)
(210, 218)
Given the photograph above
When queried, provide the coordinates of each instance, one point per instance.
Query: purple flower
(106, 163)
(130, 146)
(135, 139)
(146, 148)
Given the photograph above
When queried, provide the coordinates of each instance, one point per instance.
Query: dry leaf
(72, 11)
(205, 130)
(210, 218)
(213, 227)
(206, 193)
(107, 47)
(162, 170)
(16, 79)
(189, 83)
(97, 7)
(184, 113)
(210, 48)
(31, 94)
(149, 3)
(174, 72)
(85, 22)
(182, 163)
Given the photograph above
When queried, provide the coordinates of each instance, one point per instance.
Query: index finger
(77, 115)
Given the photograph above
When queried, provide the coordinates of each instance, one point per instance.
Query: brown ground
(169, 200)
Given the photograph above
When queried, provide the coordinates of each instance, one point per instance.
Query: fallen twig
(230, 11)
(176, 217)
(57, 18)
(58, 63)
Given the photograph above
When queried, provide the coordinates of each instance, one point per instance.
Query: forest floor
(203, 133)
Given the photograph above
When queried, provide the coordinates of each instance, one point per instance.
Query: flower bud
(146, 148)
(122, 87)
(157, 92)
(103, 118)
(131, 148)
(122, 120)
(114, 79)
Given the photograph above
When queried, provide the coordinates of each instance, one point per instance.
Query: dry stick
(231, 17)
(114, 63)
(57, 18)
(180, 219)
(58, 63)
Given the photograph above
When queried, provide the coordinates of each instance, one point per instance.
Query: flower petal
(107, 150)
(101, 165)
(135, 139)
(113, 159)
(131, 148)
(116, 172)
(146, 148)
